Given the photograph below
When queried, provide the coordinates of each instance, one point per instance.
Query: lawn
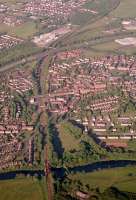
(21, 189)
(123, 178)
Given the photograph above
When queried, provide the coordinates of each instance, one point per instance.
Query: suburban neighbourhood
(67, 100)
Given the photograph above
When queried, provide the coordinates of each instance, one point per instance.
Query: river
(60, 172)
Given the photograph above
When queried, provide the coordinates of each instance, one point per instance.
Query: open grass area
(90, 53)
(22, 189)
(123, 178)
(128, 50)
(24, 31)
(111, 46)
(128, 185)
(8, 1)
(81, 18)
(100, 6)
(127, 8)
(69, 142)
(132, 145)
(108, 46)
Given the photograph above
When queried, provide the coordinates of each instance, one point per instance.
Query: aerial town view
(67, 99)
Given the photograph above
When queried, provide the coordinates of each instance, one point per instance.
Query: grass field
(100, 7)
(123, 178)
(127, 8)
(109, 46)
(128, 50)
(132, 145)
(91, 53)
(8, 1)
(81, 18)
(22, 189)
(69, 142)
(24, 31)
(129, 185)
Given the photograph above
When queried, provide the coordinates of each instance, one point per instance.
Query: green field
(69, 142)
(101, 7)
(109, 46)
(122, 178)
(127, 8)
(22, 189)
(10, 2)
(81, 18)
(24, 31)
